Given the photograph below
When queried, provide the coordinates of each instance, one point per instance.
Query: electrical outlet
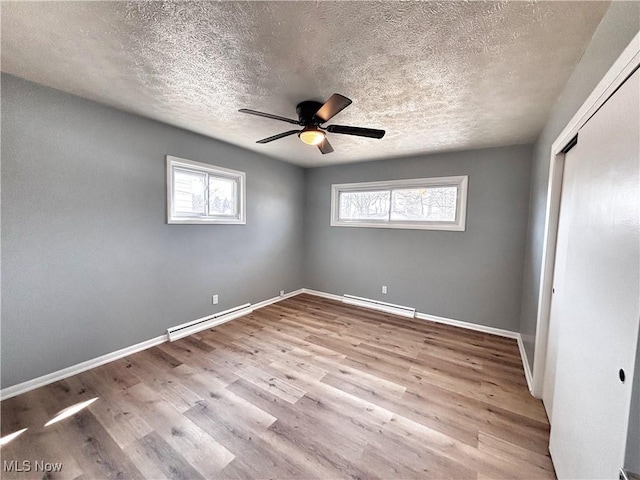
(214, 300)
(384, 289)
(282, 293)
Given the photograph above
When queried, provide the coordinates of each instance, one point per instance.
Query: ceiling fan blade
(268, 115)
(360, 132)
(333, 106)
(325, 147)
(276, 137)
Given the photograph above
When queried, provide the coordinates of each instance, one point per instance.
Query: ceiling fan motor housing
(306, 112)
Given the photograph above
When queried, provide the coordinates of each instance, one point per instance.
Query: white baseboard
(525, 364)
(424, 316)
(493, 331)
(270, 301)
(468, 325)
(458, 323)
(52, 377)
(24, 387)
(317, 293)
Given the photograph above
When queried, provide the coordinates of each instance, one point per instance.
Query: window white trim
(459, 224)
(240, 177)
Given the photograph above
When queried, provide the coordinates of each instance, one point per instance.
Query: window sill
(205, 221)
(406, 226)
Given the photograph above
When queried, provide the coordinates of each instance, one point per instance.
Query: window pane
(372, 205)
(189, 192)
(436, 204)
(222, 196)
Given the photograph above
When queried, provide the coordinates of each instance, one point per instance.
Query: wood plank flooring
(305, 388)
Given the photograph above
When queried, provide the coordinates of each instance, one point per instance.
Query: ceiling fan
(311, 116)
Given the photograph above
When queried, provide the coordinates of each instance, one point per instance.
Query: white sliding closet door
(597, 284)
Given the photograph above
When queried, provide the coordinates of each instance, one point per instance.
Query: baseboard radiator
(174, 333)
(378, 305)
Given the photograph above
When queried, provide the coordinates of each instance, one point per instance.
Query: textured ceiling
(436, 75)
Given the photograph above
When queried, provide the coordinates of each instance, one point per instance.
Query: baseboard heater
(378, 305)
(174, 333)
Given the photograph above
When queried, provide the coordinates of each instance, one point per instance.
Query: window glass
(424, 204)
(364, 205)
(200, 193)
(189, 192)
(421, 203)
(222, 195)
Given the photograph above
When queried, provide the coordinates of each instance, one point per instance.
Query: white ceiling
(436, 75)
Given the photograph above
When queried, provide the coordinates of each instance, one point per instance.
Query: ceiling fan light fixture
(312, 136)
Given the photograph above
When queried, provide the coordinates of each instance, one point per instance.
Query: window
(423, 203)
(202, 193)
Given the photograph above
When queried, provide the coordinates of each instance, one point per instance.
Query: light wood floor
(306, 388)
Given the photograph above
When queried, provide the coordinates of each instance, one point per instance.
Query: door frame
(622, 68)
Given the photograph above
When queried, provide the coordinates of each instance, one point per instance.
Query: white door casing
(597, 314)
(556, 301)
(626, 63)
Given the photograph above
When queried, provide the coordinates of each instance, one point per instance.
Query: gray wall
(89, 264)
(474, 276)
(617, 29)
